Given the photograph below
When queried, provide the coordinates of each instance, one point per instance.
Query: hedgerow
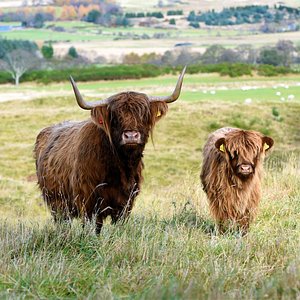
(96, 73)
(121, 72)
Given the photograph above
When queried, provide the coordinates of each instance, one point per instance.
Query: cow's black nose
(131, 136)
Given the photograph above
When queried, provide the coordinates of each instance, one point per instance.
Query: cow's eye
(233, 156)
(114, 122)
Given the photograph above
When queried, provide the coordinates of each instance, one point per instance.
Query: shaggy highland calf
(231, 175)
(94, 168)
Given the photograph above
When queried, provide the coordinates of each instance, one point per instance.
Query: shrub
(269, 70)
(224, 69)
(271, 57)
(5, 77)
(47, 51)
(235, 70)
(158, 15)
(72, 52)
(194, 24)
(174, 12)
(93, 16)
(38, 21)
(276, 114)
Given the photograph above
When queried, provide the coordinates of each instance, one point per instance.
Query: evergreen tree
(72, 52)
(47, 51)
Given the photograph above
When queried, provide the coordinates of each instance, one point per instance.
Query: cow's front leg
(244, 224)
(121, 211)
(99, 224)
(119, 214)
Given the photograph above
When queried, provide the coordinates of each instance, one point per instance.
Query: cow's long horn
(175, 94)
(84, 104)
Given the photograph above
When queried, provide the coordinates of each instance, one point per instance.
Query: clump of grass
(276, 114)
(213, 126)
(188, 216)
(247, 122)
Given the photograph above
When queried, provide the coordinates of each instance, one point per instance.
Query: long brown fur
(82, 169)
(233, 198)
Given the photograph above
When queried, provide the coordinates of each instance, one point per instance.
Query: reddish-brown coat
(234, 196)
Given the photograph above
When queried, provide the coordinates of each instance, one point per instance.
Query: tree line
(249, 14)
(107, 13)
(284, 53)
(100, 12)
(19, 57)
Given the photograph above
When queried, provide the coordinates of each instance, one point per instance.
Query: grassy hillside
(167, 249)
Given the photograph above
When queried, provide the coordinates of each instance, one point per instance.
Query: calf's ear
(267, 143)
(220, 144)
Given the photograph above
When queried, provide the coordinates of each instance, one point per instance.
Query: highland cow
(93, 169)
(231, 175)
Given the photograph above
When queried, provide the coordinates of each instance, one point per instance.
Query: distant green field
(82, 31)
(197, 87)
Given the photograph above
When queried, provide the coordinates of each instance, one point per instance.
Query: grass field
(83, 31)
(167, 249)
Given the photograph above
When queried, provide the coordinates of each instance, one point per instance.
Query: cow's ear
(267, 143)
(158, 110)
(220, 144)
(100, 116)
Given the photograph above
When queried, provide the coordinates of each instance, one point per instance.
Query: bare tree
(185, 57)
(288, 50)
(230, 56)
(212, 54)
(17, 62)
(247, 53)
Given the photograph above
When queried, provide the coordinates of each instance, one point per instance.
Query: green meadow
(168, 248)
(83, 31)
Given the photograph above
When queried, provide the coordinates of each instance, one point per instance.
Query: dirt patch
(27, 96)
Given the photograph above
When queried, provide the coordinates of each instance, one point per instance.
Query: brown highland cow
(94, 167)
(231, 175)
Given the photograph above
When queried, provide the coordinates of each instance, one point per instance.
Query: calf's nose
(246, 168)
